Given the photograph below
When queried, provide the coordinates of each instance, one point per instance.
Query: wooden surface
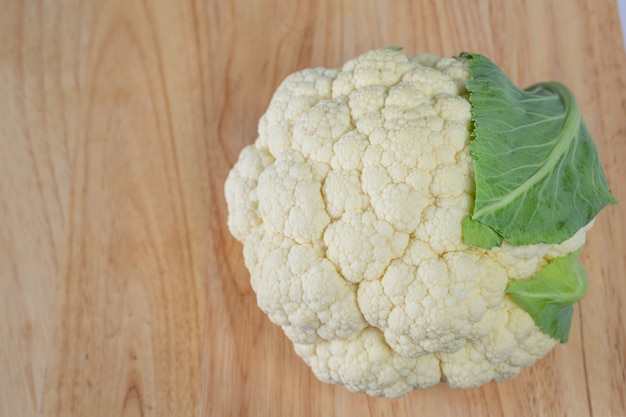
(122, 292)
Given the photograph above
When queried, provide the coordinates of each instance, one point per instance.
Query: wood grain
(122, 292)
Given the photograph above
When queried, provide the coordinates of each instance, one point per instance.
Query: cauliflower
(350, 207)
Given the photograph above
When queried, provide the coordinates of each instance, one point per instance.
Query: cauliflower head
(349, 208)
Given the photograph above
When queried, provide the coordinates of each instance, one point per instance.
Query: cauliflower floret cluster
(349, 208)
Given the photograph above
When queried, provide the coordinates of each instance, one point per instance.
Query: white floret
(300, 290)
(241, 190)
(364, 363)
(295, 96)
(342, 192)
(361, 246)
(290, 200)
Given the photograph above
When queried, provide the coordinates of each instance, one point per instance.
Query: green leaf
(395, 48)
(537, 172)
(549, 295)
(477, 234)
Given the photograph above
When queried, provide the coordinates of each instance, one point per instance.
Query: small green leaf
(537, 172)
(479, 235)
(395, 48)
(549, 296)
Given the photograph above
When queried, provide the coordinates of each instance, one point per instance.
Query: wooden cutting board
(122, 292)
